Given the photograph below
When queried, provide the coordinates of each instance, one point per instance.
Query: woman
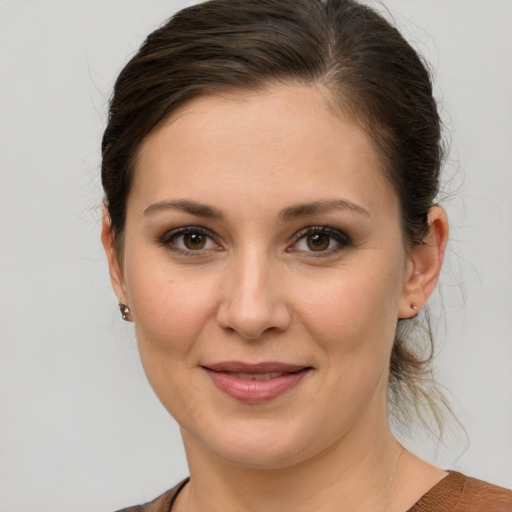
(270, 172)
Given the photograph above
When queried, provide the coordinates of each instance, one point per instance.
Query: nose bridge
(253, 301)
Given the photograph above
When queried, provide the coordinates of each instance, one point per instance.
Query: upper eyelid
(321, 229)
(168, 236)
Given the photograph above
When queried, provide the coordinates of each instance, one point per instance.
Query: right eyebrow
(185, 205)
(322, 206)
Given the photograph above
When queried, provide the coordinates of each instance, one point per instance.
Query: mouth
(256, 376)
(256, 383)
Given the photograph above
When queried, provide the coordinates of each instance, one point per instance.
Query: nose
(253, 298)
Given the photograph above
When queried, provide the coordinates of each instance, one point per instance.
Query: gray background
(80, 429)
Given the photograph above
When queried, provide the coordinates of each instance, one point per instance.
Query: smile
(255, 384)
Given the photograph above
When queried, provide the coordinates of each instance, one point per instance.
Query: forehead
(283, 139)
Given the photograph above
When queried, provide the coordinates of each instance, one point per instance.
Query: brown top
(455, 493)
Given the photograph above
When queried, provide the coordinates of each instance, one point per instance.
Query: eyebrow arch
(192, 207)
(322, 206)
(289, 213)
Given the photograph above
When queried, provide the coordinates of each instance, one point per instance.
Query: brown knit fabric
(161, 504)
(455, 493)
(460, 493)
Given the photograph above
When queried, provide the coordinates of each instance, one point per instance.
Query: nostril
(252, 323)
(252, 301)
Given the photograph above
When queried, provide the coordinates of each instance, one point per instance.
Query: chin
(260, 445)
(258, 456)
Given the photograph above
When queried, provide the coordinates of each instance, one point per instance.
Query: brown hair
(371, 75)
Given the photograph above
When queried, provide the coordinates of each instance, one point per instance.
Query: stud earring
(125, 312)
(414, 307)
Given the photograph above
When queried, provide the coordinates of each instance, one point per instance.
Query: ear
(424, 266)
(114, 265)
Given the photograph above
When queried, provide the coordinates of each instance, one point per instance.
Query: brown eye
(194, 241)
(318, 241)
(323, 240)
(189, 240)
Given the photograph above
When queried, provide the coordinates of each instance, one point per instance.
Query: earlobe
(114, 265)
(425, 263)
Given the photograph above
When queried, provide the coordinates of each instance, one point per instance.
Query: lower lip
(256, 391)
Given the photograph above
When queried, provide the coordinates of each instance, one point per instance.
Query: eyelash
(168, 240)
(342, 240)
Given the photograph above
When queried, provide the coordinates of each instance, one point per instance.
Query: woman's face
(265, 271)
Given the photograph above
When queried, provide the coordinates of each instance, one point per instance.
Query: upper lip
(263, 367)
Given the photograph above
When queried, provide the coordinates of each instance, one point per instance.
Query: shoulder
(161, 504)
(461, 493)
(479, 495)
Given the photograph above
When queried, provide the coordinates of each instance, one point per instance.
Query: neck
(355, 474)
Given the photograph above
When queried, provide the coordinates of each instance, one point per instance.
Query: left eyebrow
(323, 206)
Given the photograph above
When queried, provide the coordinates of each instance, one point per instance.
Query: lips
(257, 376)
(255, 383)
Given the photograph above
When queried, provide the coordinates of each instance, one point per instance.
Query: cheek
(169, 308)
(353, 304)
(353, 322)
(170, 315)
(353, 318)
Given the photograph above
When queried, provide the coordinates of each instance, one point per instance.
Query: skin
(257, 290)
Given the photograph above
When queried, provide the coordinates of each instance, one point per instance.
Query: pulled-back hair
(368, 71)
